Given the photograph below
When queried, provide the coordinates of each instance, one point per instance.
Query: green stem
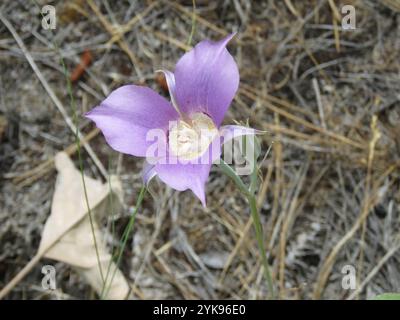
(193, 23)
(78, 148)
(112, 227)
(259, 235)
(124, 240)
(227, 170)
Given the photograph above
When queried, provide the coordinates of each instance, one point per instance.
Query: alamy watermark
(234, 146)
(349, 278)
(49, 278)
(349, 17)
(49, 18)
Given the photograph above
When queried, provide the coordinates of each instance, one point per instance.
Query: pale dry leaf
(215, 260)
(67, 234)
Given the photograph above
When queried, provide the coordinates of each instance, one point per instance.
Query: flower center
(189, 139)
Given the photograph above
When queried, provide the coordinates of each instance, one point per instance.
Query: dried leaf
(67, 235)
(215, 260)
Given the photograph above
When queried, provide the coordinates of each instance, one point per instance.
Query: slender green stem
(111, 202)
(227, 170)
(193, 23)
(259, 235)
(78, 146)
(124, 240)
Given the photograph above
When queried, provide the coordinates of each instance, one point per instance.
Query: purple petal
(185, 176)
(170, 79)
(148, 172)
(207, 79)
(126, 116)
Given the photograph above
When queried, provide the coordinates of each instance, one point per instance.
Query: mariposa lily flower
(202, 88)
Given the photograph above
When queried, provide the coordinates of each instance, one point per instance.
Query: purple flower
(201, 89)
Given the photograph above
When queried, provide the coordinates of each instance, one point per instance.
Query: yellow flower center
(189, 139)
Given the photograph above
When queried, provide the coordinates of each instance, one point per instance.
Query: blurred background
(327, 96)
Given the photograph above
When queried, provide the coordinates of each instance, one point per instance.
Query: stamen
(190, 138)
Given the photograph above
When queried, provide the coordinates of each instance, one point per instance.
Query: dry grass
(329, 194)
